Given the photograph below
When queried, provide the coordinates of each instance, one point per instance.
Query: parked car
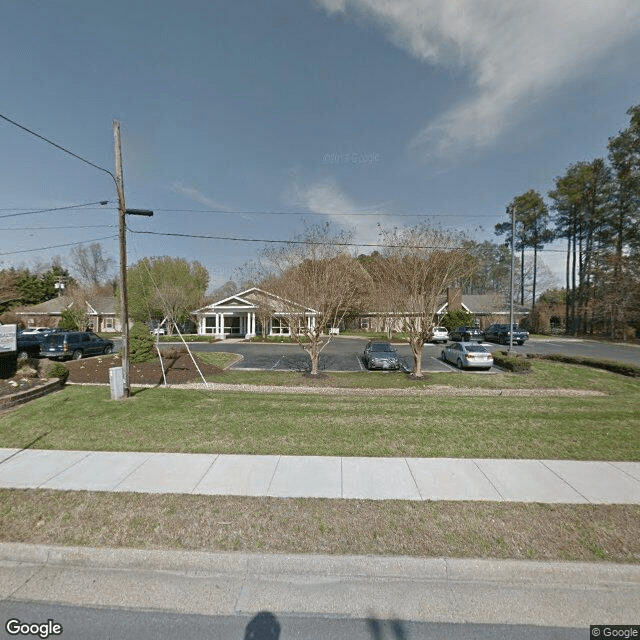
(440, 334)
(500, 333)
(36, 330)
(74, 344)
(467, 334)
(28, 344)
(380, 355)
(468, 356)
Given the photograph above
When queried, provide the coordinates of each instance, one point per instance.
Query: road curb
(563, 594)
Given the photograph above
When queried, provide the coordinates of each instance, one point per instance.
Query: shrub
(458, 318)
(515, 363)
(141, 344)
(50, 369)
(68, 321)
(622, 368)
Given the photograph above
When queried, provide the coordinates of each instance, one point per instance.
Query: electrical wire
(56, 246)
(71, 206)
(302, 242)
(57, 146)
(75, 226)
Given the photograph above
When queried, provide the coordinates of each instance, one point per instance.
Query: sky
(245, 121)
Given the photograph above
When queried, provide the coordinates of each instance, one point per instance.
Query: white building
(250, 313)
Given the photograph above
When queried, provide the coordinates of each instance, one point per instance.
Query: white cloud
(325, 197)
(515, 53)
(194, 194)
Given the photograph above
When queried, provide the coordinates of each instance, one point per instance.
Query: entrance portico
(246, 314)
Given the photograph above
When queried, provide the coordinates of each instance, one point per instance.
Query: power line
(75, 226)
(71, 206)
(307, 242)
(57, 146)
(56, 246)
(324, 213)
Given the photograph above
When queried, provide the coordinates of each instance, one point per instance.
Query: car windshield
(476, 349)
(382, 346)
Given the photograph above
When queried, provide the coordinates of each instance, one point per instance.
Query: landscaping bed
(179, 368)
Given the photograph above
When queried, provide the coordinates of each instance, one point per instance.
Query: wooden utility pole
(124, 304)
(513, 264)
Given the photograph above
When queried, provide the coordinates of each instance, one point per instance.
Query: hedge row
(515, 363)
(622, 368)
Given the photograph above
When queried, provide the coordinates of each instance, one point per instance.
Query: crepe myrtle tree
(416, 267)
(315, 273)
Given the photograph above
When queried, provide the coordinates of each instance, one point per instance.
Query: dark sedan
(467, 334)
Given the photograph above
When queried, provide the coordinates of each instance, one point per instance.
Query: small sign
(8, 339)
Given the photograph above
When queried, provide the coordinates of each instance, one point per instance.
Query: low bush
(188, 337)
(512, 362)
(623, 368)
(51, 369)
(288, 339)
(141, 344)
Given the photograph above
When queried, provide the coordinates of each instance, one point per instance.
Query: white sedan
(468, 355)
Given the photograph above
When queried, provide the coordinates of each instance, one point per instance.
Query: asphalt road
(79, 623)
(345, 353)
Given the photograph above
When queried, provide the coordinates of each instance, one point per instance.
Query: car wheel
(108, 350)
(444, 359)
(22, 355)
(459, 364)
(76, 355)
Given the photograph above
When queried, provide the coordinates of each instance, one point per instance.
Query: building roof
(98, 305)
(253, 299)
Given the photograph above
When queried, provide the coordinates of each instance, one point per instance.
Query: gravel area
(435, 390)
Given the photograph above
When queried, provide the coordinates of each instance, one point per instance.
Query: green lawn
(583, 428)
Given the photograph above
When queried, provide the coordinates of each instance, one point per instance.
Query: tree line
(595, 208)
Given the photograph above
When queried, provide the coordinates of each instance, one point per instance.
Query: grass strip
(608, 533)
(176, 420)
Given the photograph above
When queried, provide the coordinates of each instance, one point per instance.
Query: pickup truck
(500, 333)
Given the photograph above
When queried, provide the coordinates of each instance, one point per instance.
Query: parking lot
(344, 353)
(341, 354)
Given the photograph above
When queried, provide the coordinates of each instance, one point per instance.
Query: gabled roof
(99, 305)
(485, 304)
(254, 298)
(53, 306)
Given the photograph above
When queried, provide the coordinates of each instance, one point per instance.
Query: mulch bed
(177, 370)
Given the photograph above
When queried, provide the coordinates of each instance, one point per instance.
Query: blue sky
(251, 119)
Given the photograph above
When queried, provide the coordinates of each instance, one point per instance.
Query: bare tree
(315, 273)
(418, 265)
(92, 266)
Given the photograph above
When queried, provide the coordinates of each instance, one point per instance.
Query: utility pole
(513, 264)
(122, 225)
(124, 299)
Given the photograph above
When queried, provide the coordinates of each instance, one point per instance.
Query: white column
(251, 325)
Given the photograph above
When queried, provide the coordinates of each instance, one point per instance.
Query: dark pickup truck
(500, 333)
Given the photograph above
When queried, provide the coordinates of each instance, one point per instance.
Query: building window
(279, 326)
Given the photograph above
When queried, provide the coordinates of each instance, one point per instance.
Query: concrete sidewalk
(546, 481)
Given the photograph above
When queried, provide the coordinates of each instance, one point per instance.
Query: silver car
(440, 334)
(468, 355)
(380, 355)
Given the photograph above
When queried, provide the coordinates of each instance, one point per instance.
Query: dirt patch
(178, 369)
